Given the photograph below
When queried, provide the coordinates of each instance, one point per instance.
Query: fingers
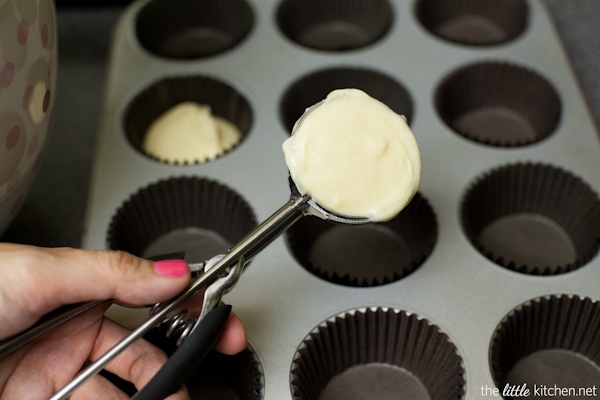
(37, 280)
(233, 339)
(43, 367)
(141, 361)
(137, 364)
(98, 388)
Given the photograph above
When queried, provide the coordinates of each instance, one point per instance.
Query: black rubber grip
(187, 357)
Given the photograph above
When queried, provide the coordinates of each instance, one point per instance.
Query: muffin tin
(483, 276)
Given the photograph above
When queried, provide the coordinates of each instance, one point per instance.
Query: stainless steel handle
(246, 248)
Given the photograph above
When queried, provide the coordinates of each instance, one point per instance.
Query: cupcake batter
(355, 156)
(189, 133)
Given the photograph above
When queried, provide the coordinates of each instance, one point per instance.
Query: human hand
(37, 280)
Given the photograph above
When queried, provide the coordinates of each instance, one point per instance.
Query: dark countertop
(54, 212)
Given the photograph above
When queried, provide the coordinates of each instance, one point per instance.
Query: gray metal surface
(280, 303)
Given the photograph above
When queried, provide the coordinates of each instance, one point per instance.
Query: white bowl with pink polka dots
(28, 53)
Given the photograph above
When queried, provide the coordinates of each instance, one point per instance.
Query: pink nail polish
(171, 268)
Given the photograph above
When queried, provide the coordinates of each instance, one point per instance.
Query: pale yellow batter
(190, 133)
(355, 156)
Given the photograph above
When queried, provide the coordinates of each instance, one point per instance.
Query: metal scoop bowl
(299, 205)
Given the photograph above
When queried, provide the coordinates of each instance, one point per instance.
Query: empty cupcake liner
(498, 104)
(377, 353)
(199, 216)
(193, 29)
(473, 22)
(334, 25)
(366, 255)
(224, 101)
(532, 218)
(549, 341)
(314, 87)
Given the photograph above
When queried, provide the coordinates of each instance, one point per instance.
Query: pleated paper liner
(334, 25)
(192, 29)
(315, 86)
(161, 96)
(377, 353)
(498, 104)
(474, 22)
(532, 218)
(547, 343)
(202, 217)
(366, 255)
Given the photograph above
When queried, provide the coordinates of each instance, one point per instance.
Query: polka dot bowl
(27, 90)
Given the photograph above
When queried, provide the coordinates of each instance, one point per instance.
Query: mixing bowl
(28, 61)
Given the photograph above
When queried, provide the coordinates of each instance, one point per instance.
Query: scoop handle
(187, 357)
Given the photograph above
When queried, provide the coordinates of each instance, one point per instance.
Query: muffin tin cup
(454, 287)
(334, 25)
(546, 342)
(533, 218)
(376, 353)
(366, 255)
(314, 87)
(223, 100)
(193, 29)
(200, 217)
(472, 22)
(499, 104)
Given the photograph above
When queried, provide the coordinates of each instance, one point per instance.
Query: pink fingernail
(171, 268)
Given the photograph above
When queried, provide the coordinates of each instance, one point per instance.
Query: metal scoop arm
(245, 249)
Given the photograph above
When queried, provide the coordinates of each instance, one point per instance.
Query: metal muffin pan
(460, 284)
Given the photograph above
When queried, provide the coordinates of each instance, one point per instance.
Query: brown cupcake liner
(193, 29)
(474, 22)
(315, 86)
(199, 216)
(334, 25)
(408, 355)
(366, 255)
(532, 218)
(550, 340)
(499, 104)
(224, 101)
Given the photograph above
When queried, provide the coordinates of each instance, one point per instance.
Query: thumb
(38, 280)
